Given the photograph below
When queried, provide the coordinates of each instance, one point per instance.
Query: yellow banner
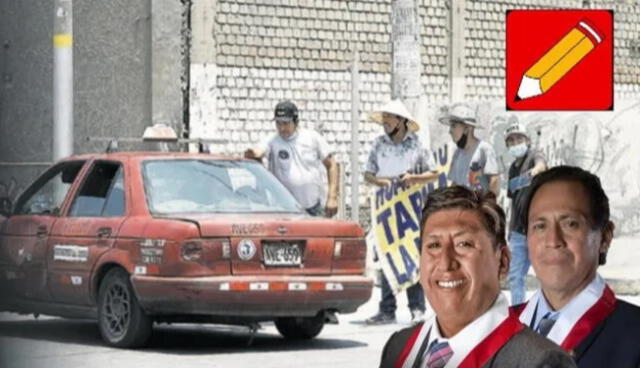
(396, 224)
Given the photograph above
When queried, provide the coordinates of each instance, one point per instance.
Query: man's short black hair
(460, 197)
(598, 200)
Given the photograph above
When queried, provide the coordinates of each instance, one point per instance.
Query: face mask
(392, 133)
(519, 150)
(396, 130)
(462, 142)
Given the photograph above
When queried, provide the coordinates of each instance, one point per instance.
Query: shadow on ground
(172, 339)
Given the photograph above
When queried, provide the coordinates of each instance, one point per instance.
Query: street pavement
(52, 342)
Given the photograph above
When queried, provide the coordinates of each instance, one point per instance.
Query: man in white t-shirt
(474, 164)
(297, 157)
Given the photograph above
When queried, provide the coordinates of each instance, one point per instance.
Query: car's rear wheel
(300, 327)
(121, 320)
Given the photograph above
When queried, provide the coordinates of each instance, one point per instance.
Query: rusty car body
(136, 238)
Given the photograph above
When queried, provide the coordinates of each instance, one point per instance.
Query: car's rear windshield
(213, 186)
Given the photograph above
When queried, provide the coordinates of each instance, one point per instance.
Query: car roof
(151, 155)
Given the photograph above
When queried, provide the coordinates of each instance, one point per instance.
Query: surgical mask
(519, 150)
(462, 142)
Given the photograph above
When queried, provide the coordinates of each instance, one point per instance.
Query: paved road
(53, 342)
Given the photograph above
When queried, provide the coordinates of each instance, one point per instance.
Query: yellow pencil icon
(559, 60)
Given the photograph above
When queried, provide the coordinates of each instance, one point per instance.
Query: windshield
(206, 186)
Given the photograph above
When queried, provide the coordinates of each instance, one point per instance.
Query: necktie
(439, 354)
(545, 324)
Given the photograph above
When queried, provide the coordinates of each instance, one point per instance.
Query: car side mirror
(5, 206)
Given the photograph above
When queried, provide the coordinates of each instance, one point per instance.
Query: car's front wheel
(300, 327)
(121, 320)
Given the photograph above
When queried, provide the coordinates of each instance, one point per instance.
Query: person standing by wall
(527, 164)
(297, 157)
(474, 164)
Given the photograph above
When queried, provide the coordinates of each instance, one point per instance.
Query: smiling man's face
(460, 268)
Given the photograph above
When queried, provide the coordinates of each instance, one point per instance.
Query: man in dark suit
(463, 257)
(566, 214)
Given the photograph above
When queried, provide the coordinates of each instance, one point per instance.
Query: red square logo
(559, 60)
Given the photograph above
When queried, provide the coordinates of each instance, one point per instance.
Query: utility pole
(355, 139)
(406, 65)
(456, 50)
(63, 79)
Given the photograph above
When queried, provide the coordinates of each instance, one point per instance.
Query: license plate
(282, 254)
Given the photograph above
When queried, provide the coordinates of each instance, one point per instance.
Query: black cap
(286, 110)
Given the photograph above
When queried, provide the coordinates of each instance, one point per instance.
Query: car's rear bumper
(251, 296)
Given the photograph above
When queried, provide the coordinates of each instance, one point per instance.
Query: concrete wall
(248, 55)
(129, 71)
(26, 55)
(112, 80)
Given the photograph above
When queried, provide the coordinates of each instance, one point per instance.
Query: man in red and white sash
(566, 216)
(463, 257)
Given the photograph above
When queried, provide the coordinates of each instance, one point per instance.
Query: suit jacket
(526, 349)
(615, 342)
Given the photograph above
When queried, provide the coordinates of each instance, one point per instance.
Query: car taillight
(337, 249)
(226, 248)
(349, 256)
(196, 250)
(349, 248)
(191, 251)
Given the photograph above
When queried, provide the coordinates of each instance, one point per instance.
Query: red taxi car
(136, 238)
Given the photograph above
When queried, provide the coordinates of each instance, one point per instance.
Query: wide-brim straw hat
(395, 107)
(461, 113)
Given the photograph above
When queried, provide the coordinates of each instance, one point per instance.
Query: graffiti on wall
(601, 142)
(604, 143)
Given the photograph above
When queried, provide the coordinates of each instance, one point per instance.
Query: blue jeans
(388, 305)
(519, 266)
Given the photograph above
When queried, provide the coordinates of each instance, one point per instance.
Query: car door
(86, 232)
(23, 243)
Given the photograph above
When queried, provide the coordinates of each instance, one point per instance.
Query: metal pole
(456, 65)
(355, 139)
(63, 80)
(406, 64)
(342, 205)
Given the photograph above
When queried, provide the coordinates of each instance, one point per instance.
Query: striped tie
(545, 324)
(439, 354)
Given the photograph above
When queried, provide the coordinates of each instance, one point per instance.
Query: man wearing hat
(474, 164)
(297, 158)
(398, 154)
(527, 164)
